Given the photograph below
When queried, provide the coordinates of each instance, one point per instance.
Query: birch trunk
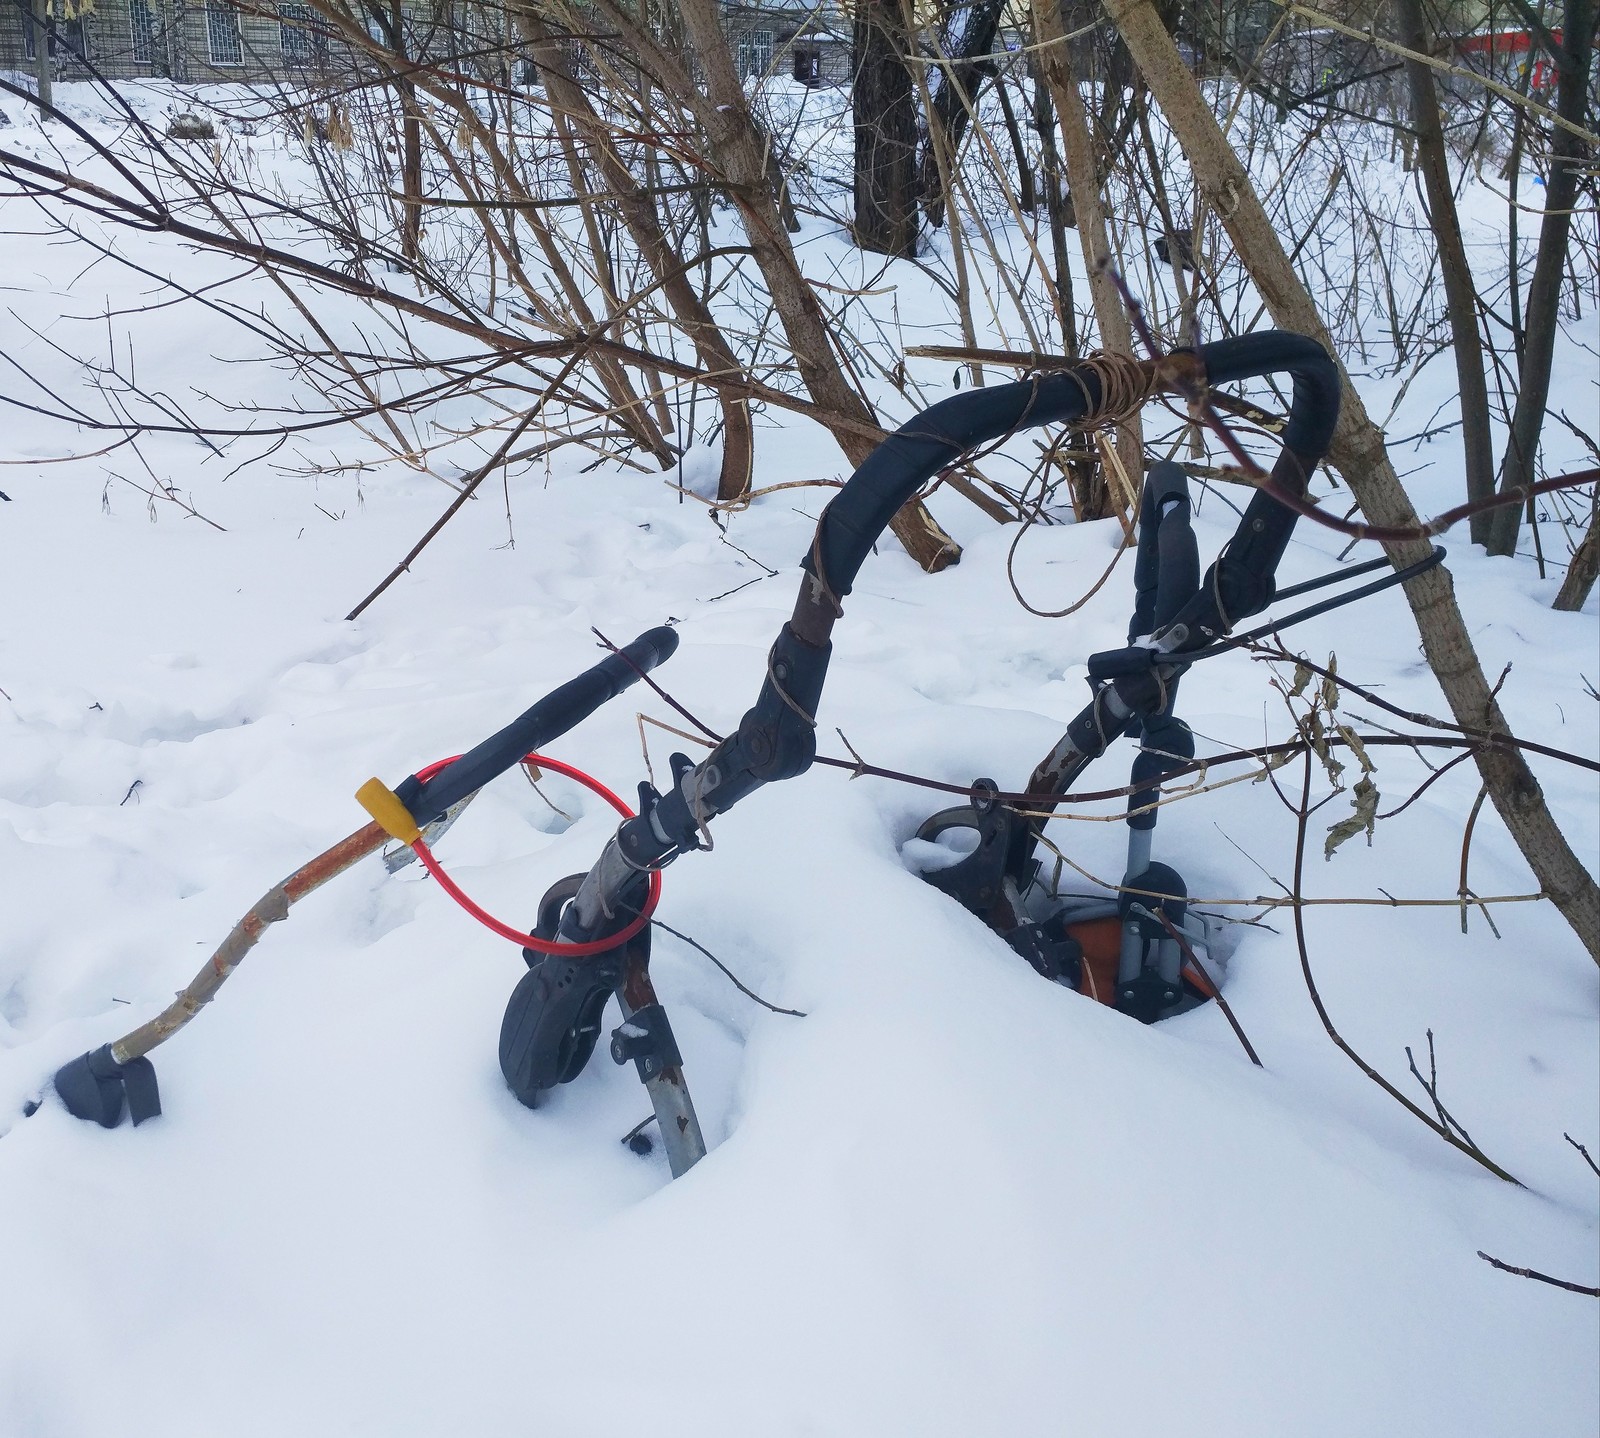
(1361, 456)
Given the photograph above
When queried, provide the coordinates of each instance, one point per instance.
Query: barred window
(753, 54)
(303, 42)
(222, 34)
(143, 25)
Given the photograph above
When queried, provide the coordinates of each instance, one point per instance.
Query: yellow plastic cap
(379, 800)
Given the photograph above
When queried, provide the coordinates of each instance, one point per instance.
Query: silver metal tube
(1138, 852)
(1131, 964)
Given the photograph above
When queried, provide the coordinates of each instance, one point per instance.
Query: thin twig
(467, 491)
(532, 773)
(1462, 889)
(1428, 721)
(660, 693)
(1212, 989)
(732, 977)
(1585, 1152)
(1472, 1151)
(1582, 1288)
(1431, 1087)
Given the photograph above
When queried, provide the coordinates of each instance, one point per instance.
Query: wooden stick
(270, 908)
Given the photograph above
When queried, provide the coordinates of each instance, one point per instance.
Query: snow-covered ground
(952, 1199)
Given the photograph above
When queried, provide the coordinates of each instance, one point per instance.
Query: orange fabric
(1102, 951)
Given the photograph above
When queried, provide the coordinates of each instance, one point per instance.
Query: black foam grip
(1166, 566)
(941, 435)
(560, 710)
(1314, 408)
(923, 446)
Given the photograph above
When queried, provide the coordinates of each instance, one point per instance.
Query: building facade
(219, 42)
(209, 41)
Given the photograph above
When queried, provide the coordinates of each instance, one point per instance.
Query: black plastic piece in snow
(144, 1097)
(560, 710)
(1052, 951)
(94, 1087)
(90, 1090)
(637, 1140)
(975, 881)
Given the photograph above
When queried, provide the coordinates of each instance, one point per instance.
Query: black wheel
(553, 1020)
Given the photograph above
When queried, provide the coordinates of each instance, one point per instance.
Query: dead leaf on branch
(1364, 817)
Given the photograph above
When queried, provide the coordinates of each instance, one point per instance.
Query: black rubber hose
(560, 710)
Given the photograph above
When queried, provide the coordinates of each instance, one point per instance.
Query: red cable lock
(529, 941)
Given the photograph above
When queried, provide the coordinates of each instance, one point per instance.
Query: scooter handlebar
(776, 737)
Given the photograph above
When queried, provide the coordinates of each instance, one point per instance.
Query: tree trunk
(1027, 197)
(943, 161)
(1359, 452)
(885, 113)
(1083, 178)
(172, 41)
(643, 223)
(41, 53)
(1459, 293)
(1581, 574)
(741, 153)
(965, 39)
(1544, 293)
(1057, 207)
(398, 68)
(410, 171)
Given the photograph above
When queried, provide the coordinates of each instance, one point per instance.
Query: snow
(952, 1199)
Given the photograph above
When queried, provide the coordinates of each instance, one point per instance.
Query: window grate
(142, 24)
(223, 40)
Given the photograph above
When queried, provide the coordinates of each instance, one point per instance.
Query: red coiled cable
(529, 941)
